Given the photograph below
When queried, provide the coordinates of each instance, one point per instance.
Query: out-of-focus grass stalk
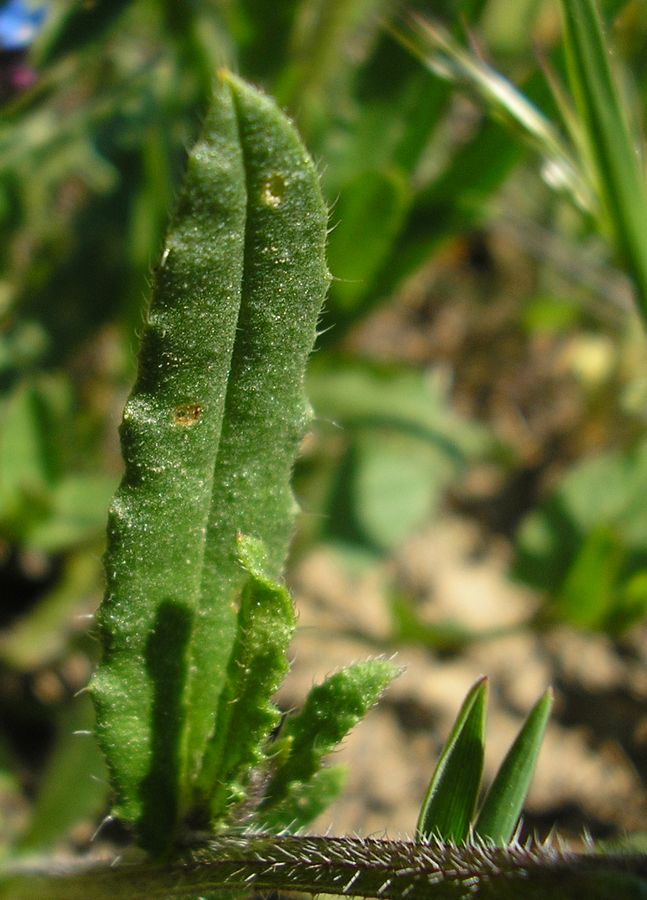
(595, 155)
(609, 142)
(445, 57)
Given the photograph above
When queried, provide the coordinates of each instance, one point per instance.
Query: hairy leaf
(330, 711)
(209, 437)
(258, 663)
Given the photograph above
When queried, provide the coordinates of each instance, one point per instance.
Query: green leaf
(304, 801)
(405, 444)
(450, 801)
(77, 512)
(40, 637)
(28, 465)
(76, 26)
(330, 711)
(609, 144)
(587, 595)
(585, 546)
(368, 216)
(630, 604)
(502, 806)
(258, 664)
(74, 786)
(209, 437)
(398, 483)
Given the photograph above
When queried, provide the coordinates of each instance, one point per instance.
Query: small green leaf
(305, 800)
(258, 664)
(28, 464)
(451, 797)
(504, 800)
(330, 711)
(77, 513)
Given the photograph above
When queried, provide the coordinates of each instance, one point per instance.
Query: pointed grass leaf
(266, 621)
(501, 808)
(209, 437)
(450, 801)
(330, 711)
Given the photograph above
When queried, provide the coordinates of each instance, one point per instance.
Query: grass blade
(502, 806)
(451, 797)
(608, 141)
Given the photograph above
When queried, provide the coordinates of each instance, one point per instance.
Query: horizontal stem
(352, 867)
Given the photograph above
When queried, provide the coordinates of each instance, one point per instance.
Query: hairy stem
(236, 866)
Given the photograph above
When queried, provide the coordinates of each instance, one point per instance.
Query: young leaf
(258, 663)
(501, 808)
(330, 711)
(451, 797)
(304, 802)
(209, 437)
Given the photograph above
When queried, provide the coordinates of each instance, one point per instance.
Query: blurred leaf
(367, 218)
(458, 198)
(450, 801)
(587, 593)
(630, 606)
(608, 142)
(502, 806)
(77, 24)
(404, 445)
(360, 394)
(41, 636)
(397, 485)
(585, 544)
(74, 786)
(28, 464)
(77, 513)
(13, 804)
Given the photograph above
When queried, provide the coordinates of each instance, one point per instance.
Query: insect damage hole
(273, 190)
(187, 415)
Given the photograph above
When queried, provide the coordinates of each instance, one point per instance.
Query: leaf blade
(209, 437)
(449, 803)
(330, 711)
(501, 808)
(266, 622)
